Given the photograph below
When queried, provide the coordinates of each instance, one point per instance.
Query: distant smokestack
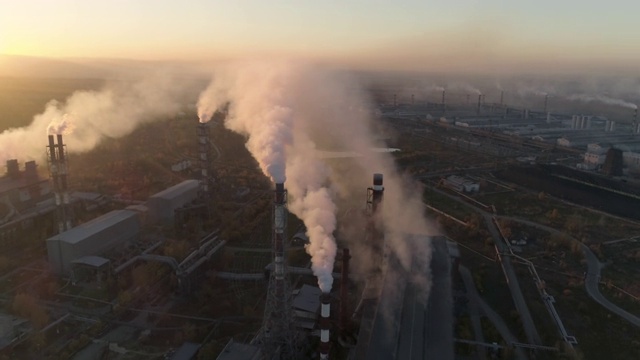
(52, 149)
(468, 99)
(325, 325)
(502, 97)
(479, 103)
(443, 99)
(13, 169)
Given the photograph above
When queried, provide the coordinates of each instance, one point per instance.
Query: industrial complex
(170, 272)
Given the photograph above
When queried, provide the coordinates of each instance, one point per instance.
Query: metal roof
(94, 261)
(308, 299)
(177, 190)
(94, 226)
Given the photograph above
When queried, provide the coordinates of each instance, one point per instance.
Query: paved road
(593, 274)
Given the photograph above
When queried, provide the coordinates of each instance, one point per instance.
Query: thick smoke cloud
(86, 117)
(299, 111)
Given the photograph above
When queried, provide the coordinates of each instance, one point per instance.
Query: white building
(462, 184)
(594, 157)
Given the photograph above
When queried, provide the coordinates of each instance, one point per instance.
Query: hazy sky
(410, 33)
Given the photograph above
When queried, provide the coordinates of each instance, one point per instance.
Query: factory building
(162, 205)
(91, 238)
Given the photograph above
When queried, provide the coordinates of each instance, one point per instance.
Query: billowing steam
(603, 99)
(86, 117)
(291, 112)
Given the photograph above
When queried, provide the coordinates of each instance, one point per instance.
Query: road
(474, 311)
(594, 268)
(512, 280)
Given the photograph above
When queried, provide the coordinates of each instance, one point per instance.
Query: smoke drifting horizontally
(86, 117)
(291, 111)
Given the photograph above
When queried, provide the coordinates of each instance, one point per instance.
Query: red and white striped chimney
(325, 324)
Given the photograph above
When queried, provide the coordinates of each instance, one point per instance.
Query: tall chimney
(479, 103)
(502, 97)
(377, 192)
(325, 325)
(468, 98)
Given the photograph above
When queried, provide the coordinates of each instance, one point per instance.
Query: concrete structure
(462, 184)
(91, 238)
(325, 325)
(20, 190)
(162, 205)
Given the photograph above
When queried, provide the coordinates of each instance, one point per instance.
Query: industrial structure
(277, 334)
(92, 238)
(58, 169)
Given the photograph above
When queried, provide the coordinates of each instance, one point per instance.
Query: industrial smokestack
(479, 103)
(377, 192)
(502, 97)
(13, 169)
(325, 325)
(52, 149)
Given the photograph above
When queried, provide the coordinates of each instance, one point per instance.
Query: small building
(461, 184)
(91, 238)
(162, 206)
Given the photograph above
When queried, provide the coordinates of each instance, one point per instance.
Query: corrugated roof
(176, 190)
(94, 226)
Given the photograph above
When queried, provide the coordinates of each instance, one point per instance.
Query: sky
(411, 34)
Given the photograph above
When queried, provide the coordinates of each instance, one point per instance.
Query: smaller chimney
(479, 103)
(13, 171)
(30, 172)
(502, 97)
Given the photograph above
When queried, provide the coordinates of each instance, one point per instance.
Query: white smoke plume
(463, 87)
(86, 117)
(602, 99)
(300, 110)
